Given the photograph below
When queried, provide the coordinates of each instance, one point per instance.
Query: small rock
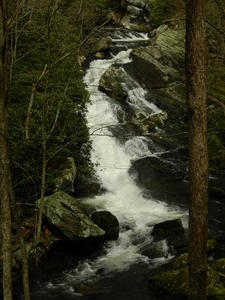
(133, 10)
(103, 44)
(99, 55)
(138, 3)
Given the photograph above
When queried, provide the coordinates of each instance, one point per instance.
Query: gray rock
(173, 232)
(162, 62)
(108, 222)
(65, 181)
(68, 218)
(138, 3)
(103, 44)
(168, 230)
(133, 10)
(111, 83)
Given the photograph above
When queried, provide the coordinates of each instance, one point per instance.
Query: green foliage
(166, 11)
(159, 11)
(63, 91)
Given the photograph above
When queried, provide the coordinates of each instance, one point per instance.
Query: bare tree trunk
(43, 180)
(4, 159)
(29, 109)
(18, 217)
(198, 161)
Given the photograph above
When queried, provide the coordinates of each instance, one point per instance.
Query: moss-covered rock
(162, 62)
(218, 265)
(111, 83)
(69, 218)
(148, 123)
(175, 282)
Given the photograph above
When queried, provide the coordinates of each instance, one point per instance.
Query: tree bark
(18, 217)
(4, 159)
(198, 152)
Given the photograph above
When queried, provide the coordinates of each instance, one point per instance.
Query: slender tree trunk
(198, 161)
(18, 217)
(4, 159)
(43, 179)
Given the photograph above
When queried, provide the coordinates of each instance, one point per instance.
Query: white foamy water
(123, 198)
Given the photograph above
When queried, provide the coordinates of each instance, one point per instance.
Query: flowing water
(120, 266)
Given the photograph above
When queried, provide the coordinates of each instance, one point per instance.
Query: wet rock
(133, 10)
(173, 232)
(112, 82)
(146, 70)
(137, 3)
(162, 62)
(217, 192)
(99, 55)
(68, 218)
(148, 123)
(168, 229)
(108, 222)
(155, 250)
(65, 181)
(151, 167)
(103, 44)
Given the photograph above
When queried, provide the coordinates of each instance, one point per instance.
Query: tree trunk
(198, 160)
(18, 217)
(4, 159)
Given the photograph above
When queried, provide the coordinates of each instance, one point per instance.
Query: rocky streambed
(137, 122)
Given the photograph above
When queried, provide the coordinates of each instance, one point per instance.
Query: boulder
(65, 181)
(68, 218)
(103, 44)
(108, 222)
(168, 229)
(111, 83)
(162, 62)
(147, 70)
(173, 232)
(151, 167)
(138, 3)
(133, 10)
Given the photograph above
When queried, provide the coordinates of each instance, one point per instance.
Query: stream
(121, 270)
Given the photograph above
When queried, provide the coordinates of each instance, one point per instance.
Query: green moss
(211, 245)
(218, 265)
(175, 281)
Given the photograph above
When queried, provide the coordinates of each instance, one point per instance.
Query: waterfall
(123, 198)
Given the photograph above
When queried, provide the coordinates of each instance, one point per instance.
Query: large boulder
(150, 168)
(173, 232)
(168, 229)
(133, 10)
(108, 222)
(138, 3)
(162, 62)
(112, 81)
(69, 219)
